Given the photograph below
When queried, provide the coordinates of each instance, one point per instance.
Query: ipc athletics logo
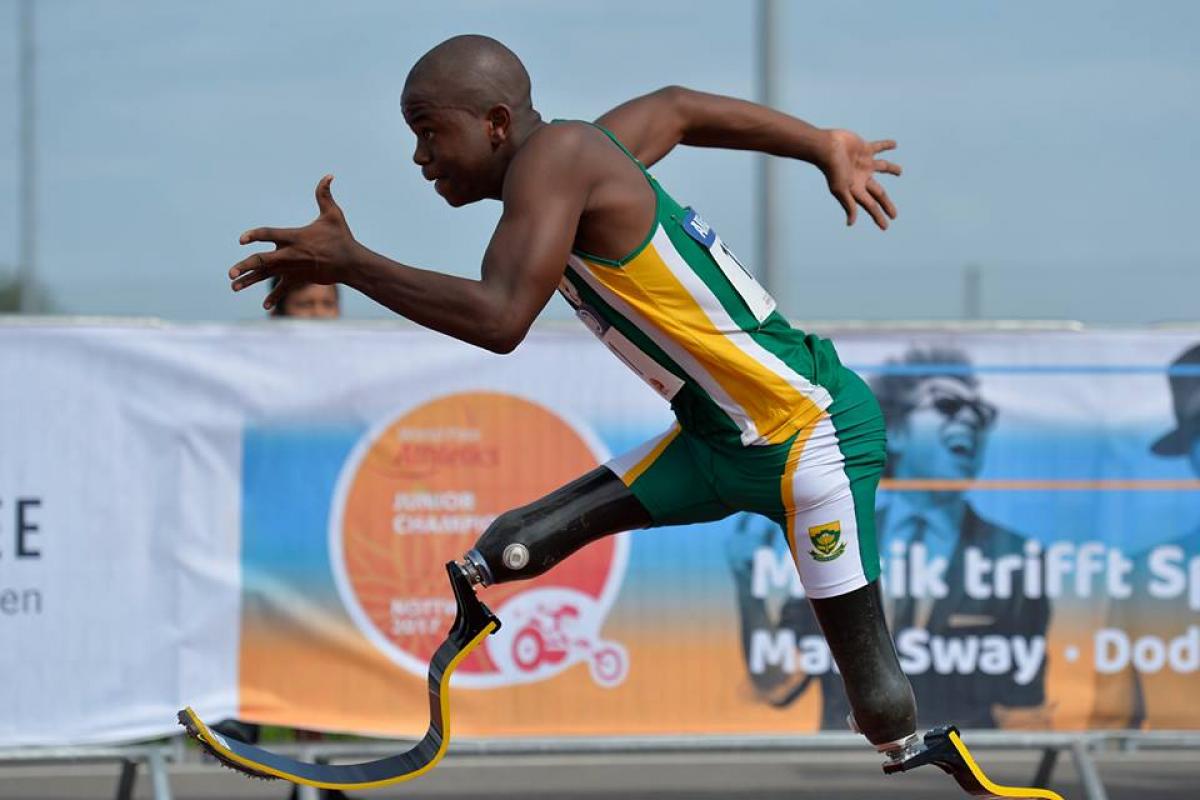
(418, 490)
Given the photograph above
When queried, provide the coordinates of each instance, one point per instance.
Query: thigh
(828, 491)
(671, 475)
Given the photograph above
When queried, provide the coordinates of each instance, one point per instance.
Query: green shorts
(819, 486)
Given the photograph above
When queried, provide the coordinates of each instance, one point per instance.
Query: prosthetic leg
(472, 625)
(882, 701)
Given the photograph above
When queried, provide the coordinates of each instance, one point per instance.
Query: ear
(499, 124)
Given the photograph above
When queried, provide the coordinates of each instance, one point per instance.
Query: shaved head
(467, 101)
(470, 72)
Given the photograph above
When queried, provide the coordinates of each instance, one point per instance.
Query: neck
(943, 512)
(523, 127)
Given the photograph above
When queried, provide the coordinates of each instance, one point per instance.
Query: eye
(948, 407)
(426, 135)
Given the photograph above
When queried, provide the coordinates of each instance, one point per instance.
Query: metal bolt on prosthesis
(516, 556)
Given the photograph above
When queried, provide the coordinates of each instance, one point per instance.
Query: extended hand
(320, 252)
(850, 172)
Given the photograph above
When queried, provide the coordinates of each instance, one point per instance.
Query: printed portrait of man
(974, 657)
(1157, 638)
(1183, 441)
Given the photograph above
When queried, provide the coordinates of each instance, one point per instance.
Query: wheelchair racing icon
(549, 630)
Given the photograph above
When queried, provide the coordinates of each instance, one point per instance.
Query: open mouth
(960, 444)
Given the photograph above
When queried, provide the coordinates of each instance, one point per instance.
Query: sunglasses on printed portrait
(950, 405)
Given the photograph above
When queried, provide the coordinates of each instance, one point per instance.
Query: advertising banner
(253, 520)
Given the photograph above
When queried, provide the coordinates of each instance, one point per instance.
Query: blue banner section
(1038, 527)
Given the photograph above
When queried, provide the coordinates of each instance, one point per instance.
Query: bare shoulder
(561, 147)
(572, 166)
(557, 141)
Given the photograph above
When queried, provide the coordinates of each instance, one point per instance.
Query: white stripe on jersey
(694, 369)
(708, 302)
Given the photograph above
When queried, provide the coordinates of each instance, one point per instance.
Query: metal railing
(154, 757)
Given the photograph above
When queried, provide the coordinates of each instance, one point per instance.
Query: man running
(769, 421)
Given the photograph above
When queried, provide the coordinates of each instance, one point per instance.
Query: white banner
(120, 493)
(182, 513)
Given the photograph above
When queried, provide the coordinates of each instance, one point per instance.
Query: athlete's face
(944, 435)
(454, 149)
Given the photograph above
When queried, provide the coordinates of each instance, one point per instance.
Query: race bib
(757, 299)
(661, 380)
(658, 378)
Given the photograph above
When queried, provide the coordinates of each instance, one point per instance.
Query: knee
(510, 548)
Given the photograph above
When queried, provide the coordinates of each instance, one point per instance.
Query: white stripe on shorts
(816, 495)
(629, 466)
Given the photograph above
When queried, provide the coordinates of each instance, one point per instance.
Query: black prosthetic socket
(527, 541)
(879, 692)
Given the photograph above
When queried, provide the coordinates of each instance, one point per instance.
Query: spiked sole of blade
(189, 725)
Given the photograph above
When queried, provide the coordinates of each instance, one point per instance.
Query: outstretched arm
(651, 126)
(543, 200)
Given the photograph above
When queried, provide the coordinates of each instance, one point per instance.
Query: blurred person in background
(307, 301)
(937, 429)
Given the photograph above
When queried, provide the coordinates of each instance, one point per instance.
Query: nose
(421, 155)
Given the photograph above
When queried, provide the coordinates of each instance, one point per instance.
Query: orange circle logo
(419, 490)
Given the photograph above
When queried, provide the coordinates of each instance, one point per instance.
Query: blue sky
(1052, 144)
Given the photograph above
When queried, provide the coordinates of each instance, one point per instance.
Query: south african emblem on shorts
(827, 541)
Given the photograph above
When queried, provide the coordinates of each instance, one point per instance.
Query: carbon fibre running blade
(943, 747)
(474, 623)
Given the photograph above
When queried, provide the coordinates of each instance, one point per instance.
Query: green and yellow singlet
(683, 313)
